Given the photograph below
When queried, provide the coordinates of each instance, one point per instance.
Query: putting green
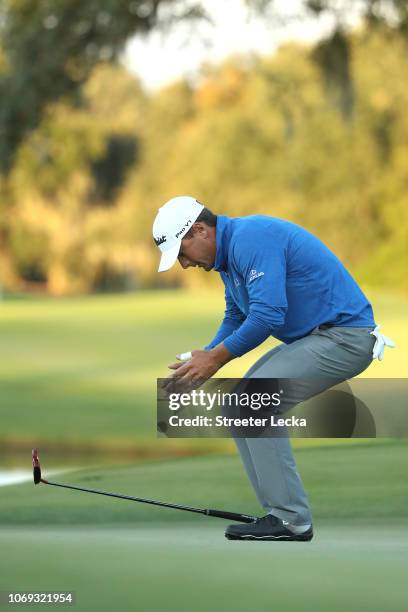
(186, 568)
(118, 555)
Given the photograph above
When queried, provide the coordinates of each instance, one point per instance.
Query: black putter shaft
(232, 516)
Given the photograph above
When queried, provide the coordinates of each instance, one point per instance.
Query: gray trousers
(321, 359)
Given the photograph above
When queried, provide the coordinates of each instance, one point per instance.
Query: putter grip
(231, 516)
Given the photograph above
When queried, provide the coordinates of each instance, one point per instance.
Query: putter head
(36, 467)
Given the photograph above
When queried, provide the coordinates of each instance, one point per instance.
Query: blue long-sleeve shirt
(280, 281)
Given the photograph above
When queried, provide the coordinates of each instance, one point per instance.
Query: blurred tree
(260, 136)
(63, 227)
(252, 135)
(50, 48)
(109, 171)
(332, 54)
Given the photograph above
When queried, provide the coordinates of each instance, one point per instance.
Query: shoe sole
(296, 538)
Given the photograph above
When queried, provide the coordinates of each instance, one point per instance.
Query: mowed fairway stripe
(194, 568)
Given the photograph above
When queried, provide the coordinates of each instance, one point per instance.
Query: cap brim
(169, 258)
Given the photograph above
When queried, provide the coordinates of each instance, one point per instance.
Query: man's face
(199, 250)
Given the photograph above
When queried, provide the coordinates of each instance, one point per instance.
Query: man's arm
(204, 364)
(220, 355)
(233, 319)
(264, 271)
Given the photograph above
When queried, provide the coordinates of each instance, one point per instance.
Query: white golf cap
(171, 224)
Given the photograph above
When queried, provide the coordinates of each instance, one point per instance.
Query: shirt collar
(222, 237)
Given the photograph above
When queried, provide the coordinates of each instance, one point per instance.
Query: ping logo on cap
(160, 240)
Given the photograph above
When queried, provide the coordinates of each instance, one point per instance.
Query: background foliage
(313, 134)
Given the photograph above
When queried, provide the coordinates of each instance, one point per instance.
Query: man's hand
(193, 373)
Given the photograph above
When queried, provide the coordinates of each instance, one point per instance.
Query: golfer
(280, 281)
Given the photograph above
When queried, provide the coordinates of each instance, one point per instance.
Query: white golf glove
(380, 343)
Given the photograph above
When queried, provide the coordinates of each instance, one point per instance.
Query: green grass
(156, 568)
(83, 370)
(364, 482)
(121, 555)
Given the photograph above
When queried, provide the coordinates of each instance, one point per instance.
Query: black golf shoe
(266, 528)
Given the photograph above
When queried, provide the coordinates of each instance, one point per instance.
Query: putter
(232, 516)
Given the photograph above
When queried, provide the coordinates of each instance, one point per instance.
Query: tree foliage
(50, 48)
(252, 136)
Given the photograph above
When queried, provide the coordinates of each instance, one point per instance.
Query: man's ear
(200, 229)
